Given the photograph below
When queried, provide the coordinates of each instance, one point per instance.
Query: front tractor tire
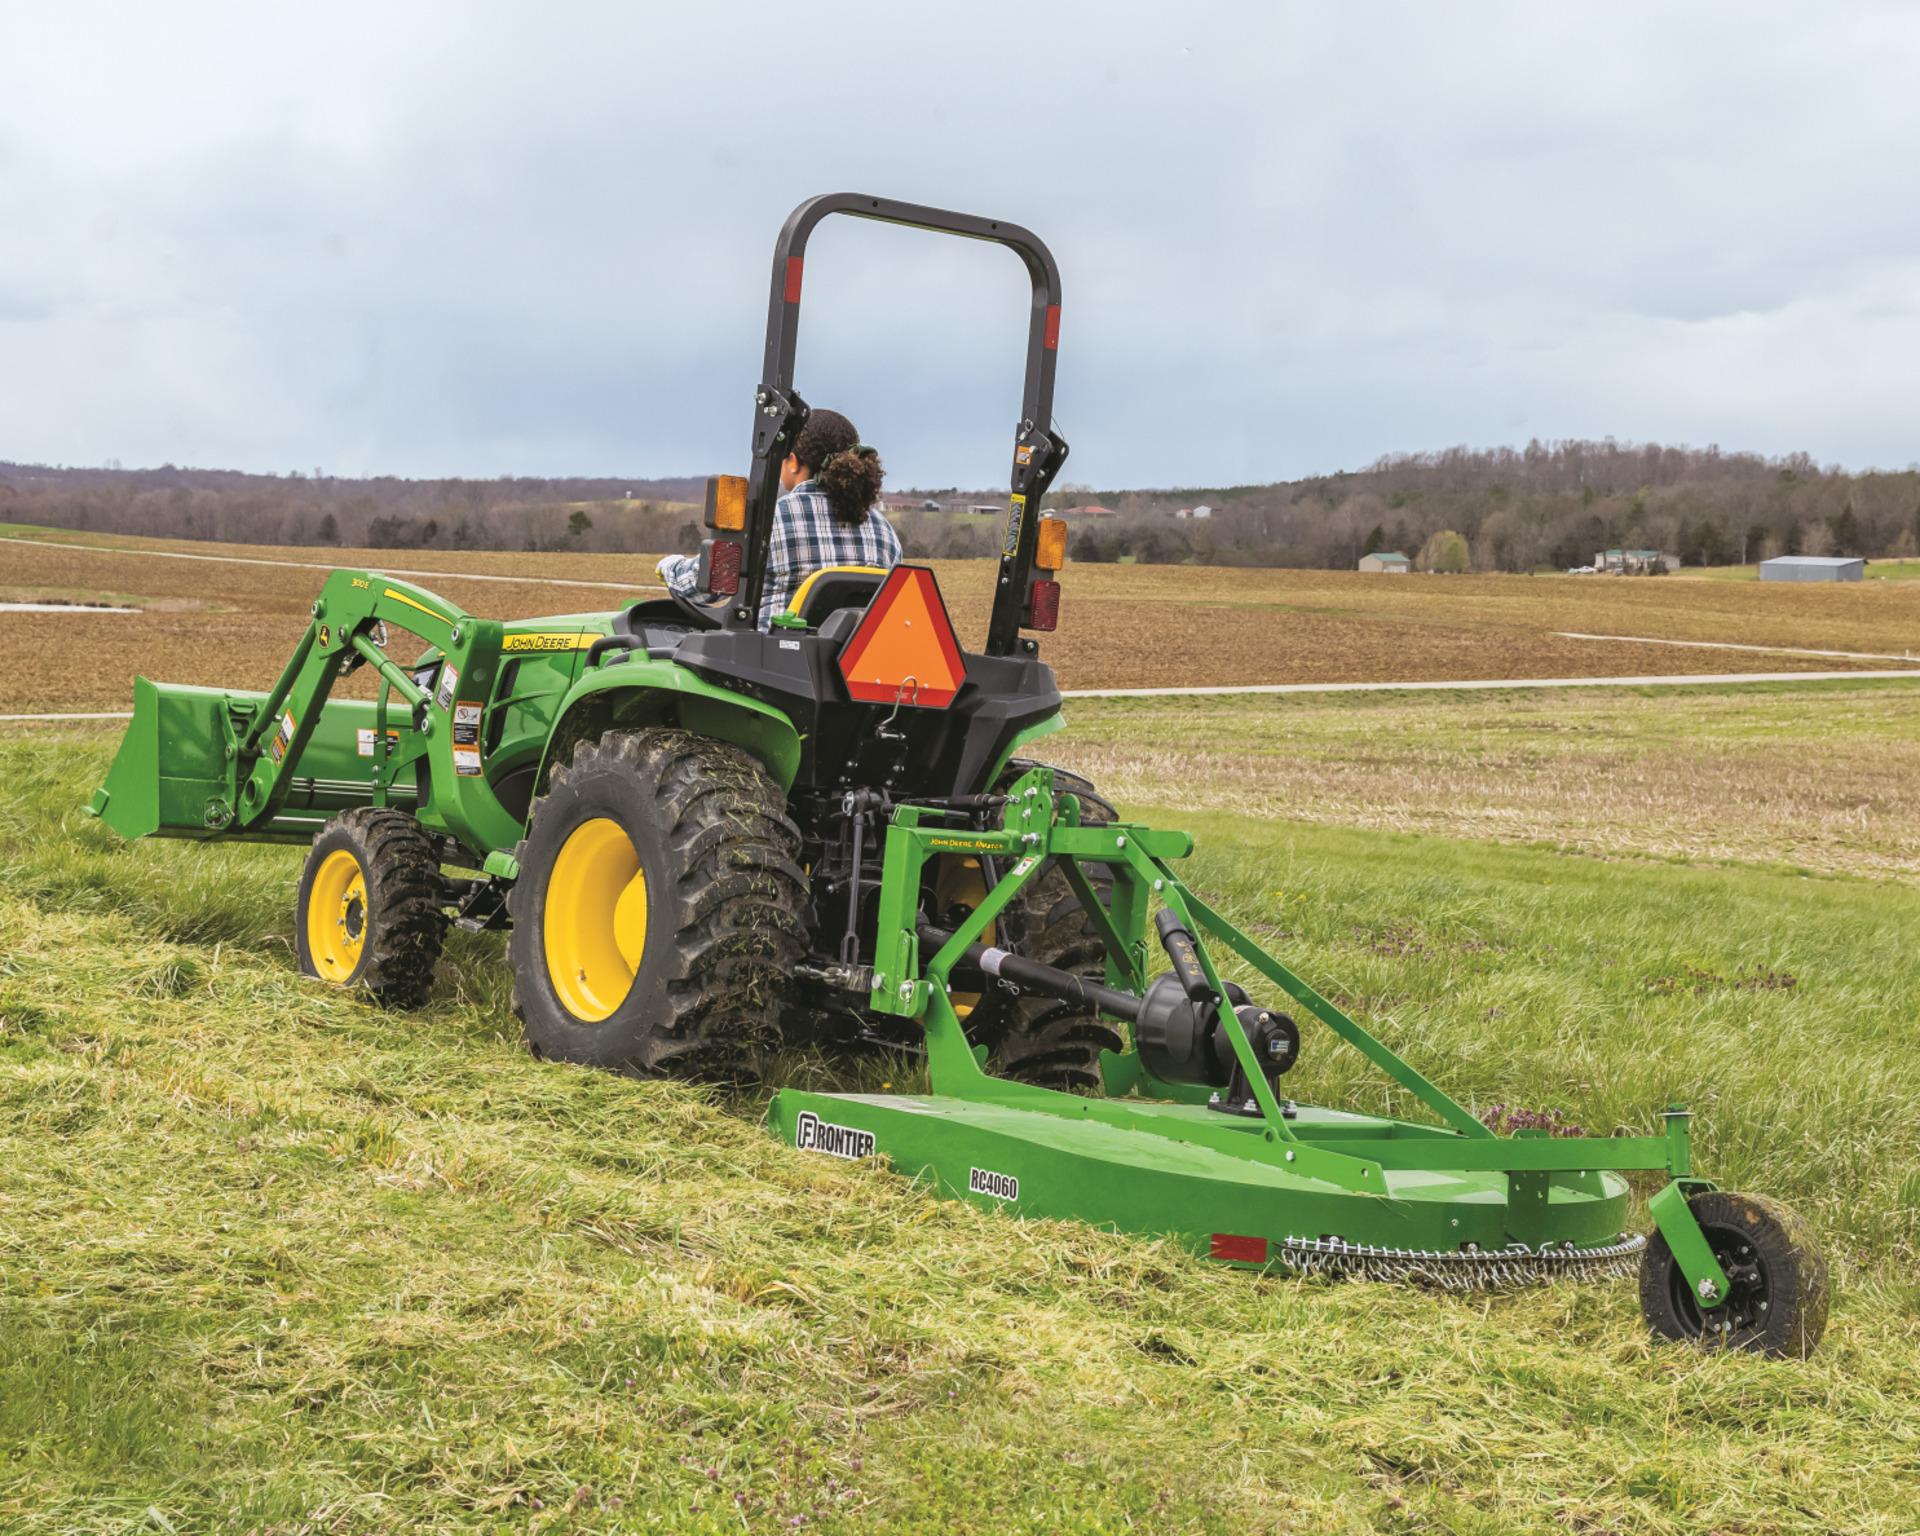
(658, 911)
(368, 910)
(1778, 1299)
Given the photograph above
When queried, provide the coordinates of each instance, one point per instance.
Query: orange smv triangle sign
(904, 651)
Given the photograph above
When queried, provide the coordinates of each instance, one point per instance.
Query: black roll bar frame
(779, 413)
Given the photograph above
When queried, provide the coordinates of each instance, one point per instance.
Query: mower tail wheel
(368, 910)
(1777, 1303)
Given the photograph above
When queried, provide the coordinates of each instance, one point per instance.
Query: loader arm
(257, 740)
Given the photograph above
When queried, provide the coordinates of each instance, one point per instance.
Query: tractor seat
(833, 587)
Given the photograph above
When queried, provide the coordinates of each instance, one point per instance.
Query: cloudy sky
(484, 239)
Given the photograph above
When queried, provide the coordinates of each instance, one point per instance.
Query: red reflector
(723, 568)
(1053, 327)
(793, 279)
(1043, 605)
(1239, 1250)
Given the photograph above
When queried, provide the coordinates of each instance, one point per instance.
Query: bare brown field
(1125, 626)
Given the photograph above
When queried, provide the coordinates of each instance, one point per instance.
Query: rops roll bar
(779, 413)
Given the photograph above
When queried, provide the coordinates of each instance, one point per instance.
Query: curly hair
(847, 471)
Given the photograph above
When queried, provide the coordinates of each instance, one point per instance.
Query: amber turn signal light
(727, 502)
(1050, 548)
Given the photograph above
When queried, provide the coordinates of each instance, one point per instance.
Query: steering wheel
(700, 615)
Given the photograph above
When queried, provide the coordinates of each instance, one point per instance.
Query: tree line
(1545, 506)
(384, 512)
(1548, 505)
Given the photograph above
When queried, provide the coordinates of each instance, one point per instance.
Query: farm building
(1386, 561)
(1634, 562)
(1089, 511)
(1192, 512)
(1812, 568)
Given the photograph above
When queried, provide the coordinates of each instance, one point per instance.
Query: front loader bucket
(171, 777)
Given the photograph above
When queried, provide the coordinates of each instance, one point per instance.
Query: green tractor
(706, 839)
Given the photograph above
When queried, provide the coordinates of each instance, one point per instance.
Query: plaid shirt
(806, 537)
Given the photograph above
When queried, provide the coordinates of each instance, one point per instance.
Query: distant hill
(1545, 505)
(385, 512)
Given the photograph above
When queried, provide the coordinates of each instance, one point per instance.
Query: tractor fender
(641, 691)
(1053, 722)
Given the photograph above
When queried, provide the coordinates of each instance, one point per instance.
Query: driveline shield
(812, 1134)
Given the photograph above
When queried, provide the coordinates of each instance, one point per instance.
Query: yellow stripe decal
(401, 597)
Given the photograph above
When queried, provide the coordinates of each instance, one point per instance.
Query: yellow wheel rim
(960, 883)
(596, 919)
(337, 917)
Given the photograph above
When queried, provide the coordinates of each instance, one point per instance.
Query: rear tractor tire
(368, 910)
(1778, 1301)
(658, 912)
(1042, 1040)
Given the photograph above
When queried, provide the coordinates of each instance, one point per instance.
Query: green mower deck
(1263, 1183)
(1450, 1227)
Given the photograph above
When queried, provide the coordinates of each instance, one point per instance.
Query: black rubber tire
(404, 921)
(1040, 1039)
(1779, 1301)
(726, 898)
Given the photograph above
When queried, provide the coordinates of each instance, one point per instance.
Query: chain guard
(1493, 1270)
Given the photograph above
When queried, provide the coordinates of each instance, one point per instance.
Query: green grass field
(271, 1260)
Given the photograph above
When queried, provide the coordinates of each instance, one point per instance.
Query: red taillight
(793, 279)
(1239, 1250)
(723, 568)
(1043, 605)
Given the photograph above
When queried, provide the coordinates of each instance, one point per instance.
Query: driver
(828, 514)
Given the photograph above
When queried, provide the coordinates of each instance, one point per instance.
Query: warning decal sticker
(1016, 515)
(466, 723)
(449, 680)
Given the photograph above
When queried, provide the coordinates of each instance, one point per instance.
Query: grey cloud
(482, 238)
